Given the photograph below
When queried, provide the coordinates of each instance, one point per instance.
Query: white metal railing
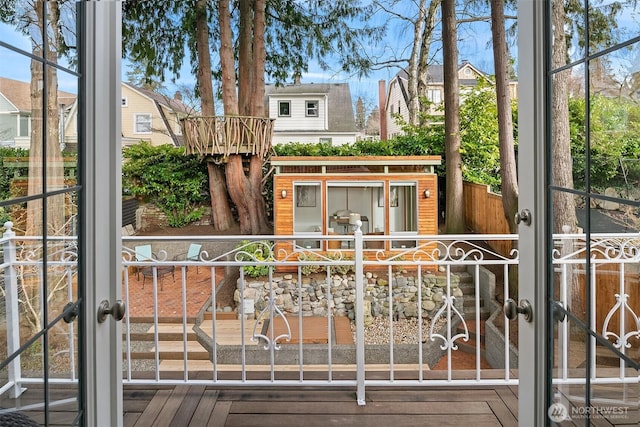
(424, 280)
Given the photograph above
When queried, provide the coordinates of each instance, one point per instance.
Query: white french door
(577, 363)
(531, 164)
(100, 232)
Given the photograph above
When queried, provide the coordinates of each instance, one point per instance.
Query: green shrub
(176, 183)
(255, 252)
(341, 269)
(310, 269)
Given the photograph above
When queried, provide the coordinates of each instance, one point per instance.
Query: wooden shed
(394, 196)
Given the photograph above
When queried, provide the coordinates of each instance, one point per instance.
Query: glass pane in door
(39, 193)
(593, 287)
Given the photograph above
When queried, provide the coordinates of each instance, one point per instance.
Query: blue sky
(473, 47)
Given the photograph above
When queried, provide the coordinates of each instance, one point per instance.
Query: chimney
(178, 96)
(382, 101)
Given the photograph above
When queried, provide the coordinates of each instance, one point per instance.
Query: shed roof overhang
(355, 160)
(309, 165)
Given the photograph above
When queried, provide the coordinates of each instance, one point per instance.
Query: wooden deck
(200, 406)
(311, 407)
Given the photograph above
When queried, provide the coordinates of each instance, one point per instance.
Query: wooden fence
(484, 215)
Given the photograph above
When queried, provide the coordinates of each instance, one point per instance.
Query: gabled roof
(19, 94)
(339, 105)
(435, 74)
(165, 101)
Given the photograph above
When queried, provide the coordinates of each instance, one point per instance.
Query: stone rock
(438, 297)
(429, 305)
(612, 206)
(411, 309)
(368, 318)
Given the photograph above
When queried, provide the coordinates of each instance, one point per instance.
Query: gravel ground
(138, 346)
(405, 331)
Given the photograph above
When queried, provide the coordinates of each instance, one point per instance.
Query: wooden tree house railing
(226, 135)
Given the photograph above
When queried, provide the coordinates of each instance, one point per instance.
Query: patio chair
(143, 253)
(192, 254)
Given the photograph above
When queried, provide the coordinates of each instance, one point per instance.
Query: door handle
(71, 312)
(117, 310)
(512, 309)
(523, 216)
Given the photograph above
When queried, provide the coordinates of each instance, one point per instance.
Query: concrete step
(470, 313)
(470, 345)
(465, 278)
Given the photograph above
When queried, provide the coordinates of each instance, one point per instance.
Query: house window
(403, 213)
(284, 108)
(362, 198)
(467, 71)
(24, 125)
(434, 96)
(124, 101)
(307, 214)
(326, 140)
(312, 108)
(142, 123)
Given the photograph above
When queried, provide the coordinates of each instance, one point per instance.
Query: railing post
(358, 259)
(12, 310)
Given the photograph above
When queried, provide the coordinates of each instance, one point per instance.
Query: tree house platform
(227, 135)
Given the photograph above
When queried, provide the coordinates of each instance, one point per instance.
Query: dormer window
(312, 108)
(284, 108)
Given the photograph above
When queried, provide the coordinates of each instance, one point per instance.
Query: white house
(311, 113)
(15, 112)
(146, 116)
(397, 98)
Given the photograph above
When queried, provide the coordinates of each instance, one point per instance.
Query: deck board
(201, 405)
(203, 411)
(279, 420)
(188, 406)
(151, 412)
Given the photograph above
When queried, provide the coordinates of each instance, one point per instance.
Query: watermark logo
(558, 413)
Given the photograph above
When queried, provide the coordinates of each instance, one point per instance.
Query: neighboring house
(397, 98)
(311, 113)
(15, 112)
(152, 117)
(146, 115)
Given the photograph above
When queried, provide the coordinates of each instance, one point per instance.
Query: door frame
(533, 388)
(99, 126)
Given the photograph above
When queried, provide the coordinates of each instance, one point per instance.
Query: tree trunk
(245, 58)
(222, 217)
(453, 158)
(412, 89)
(220, 212)
(259, 59)
(205, 87)
(245, 188)
(45, 118)
(564, 209)
(227, 60)
(508, 171)
(423, 62)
